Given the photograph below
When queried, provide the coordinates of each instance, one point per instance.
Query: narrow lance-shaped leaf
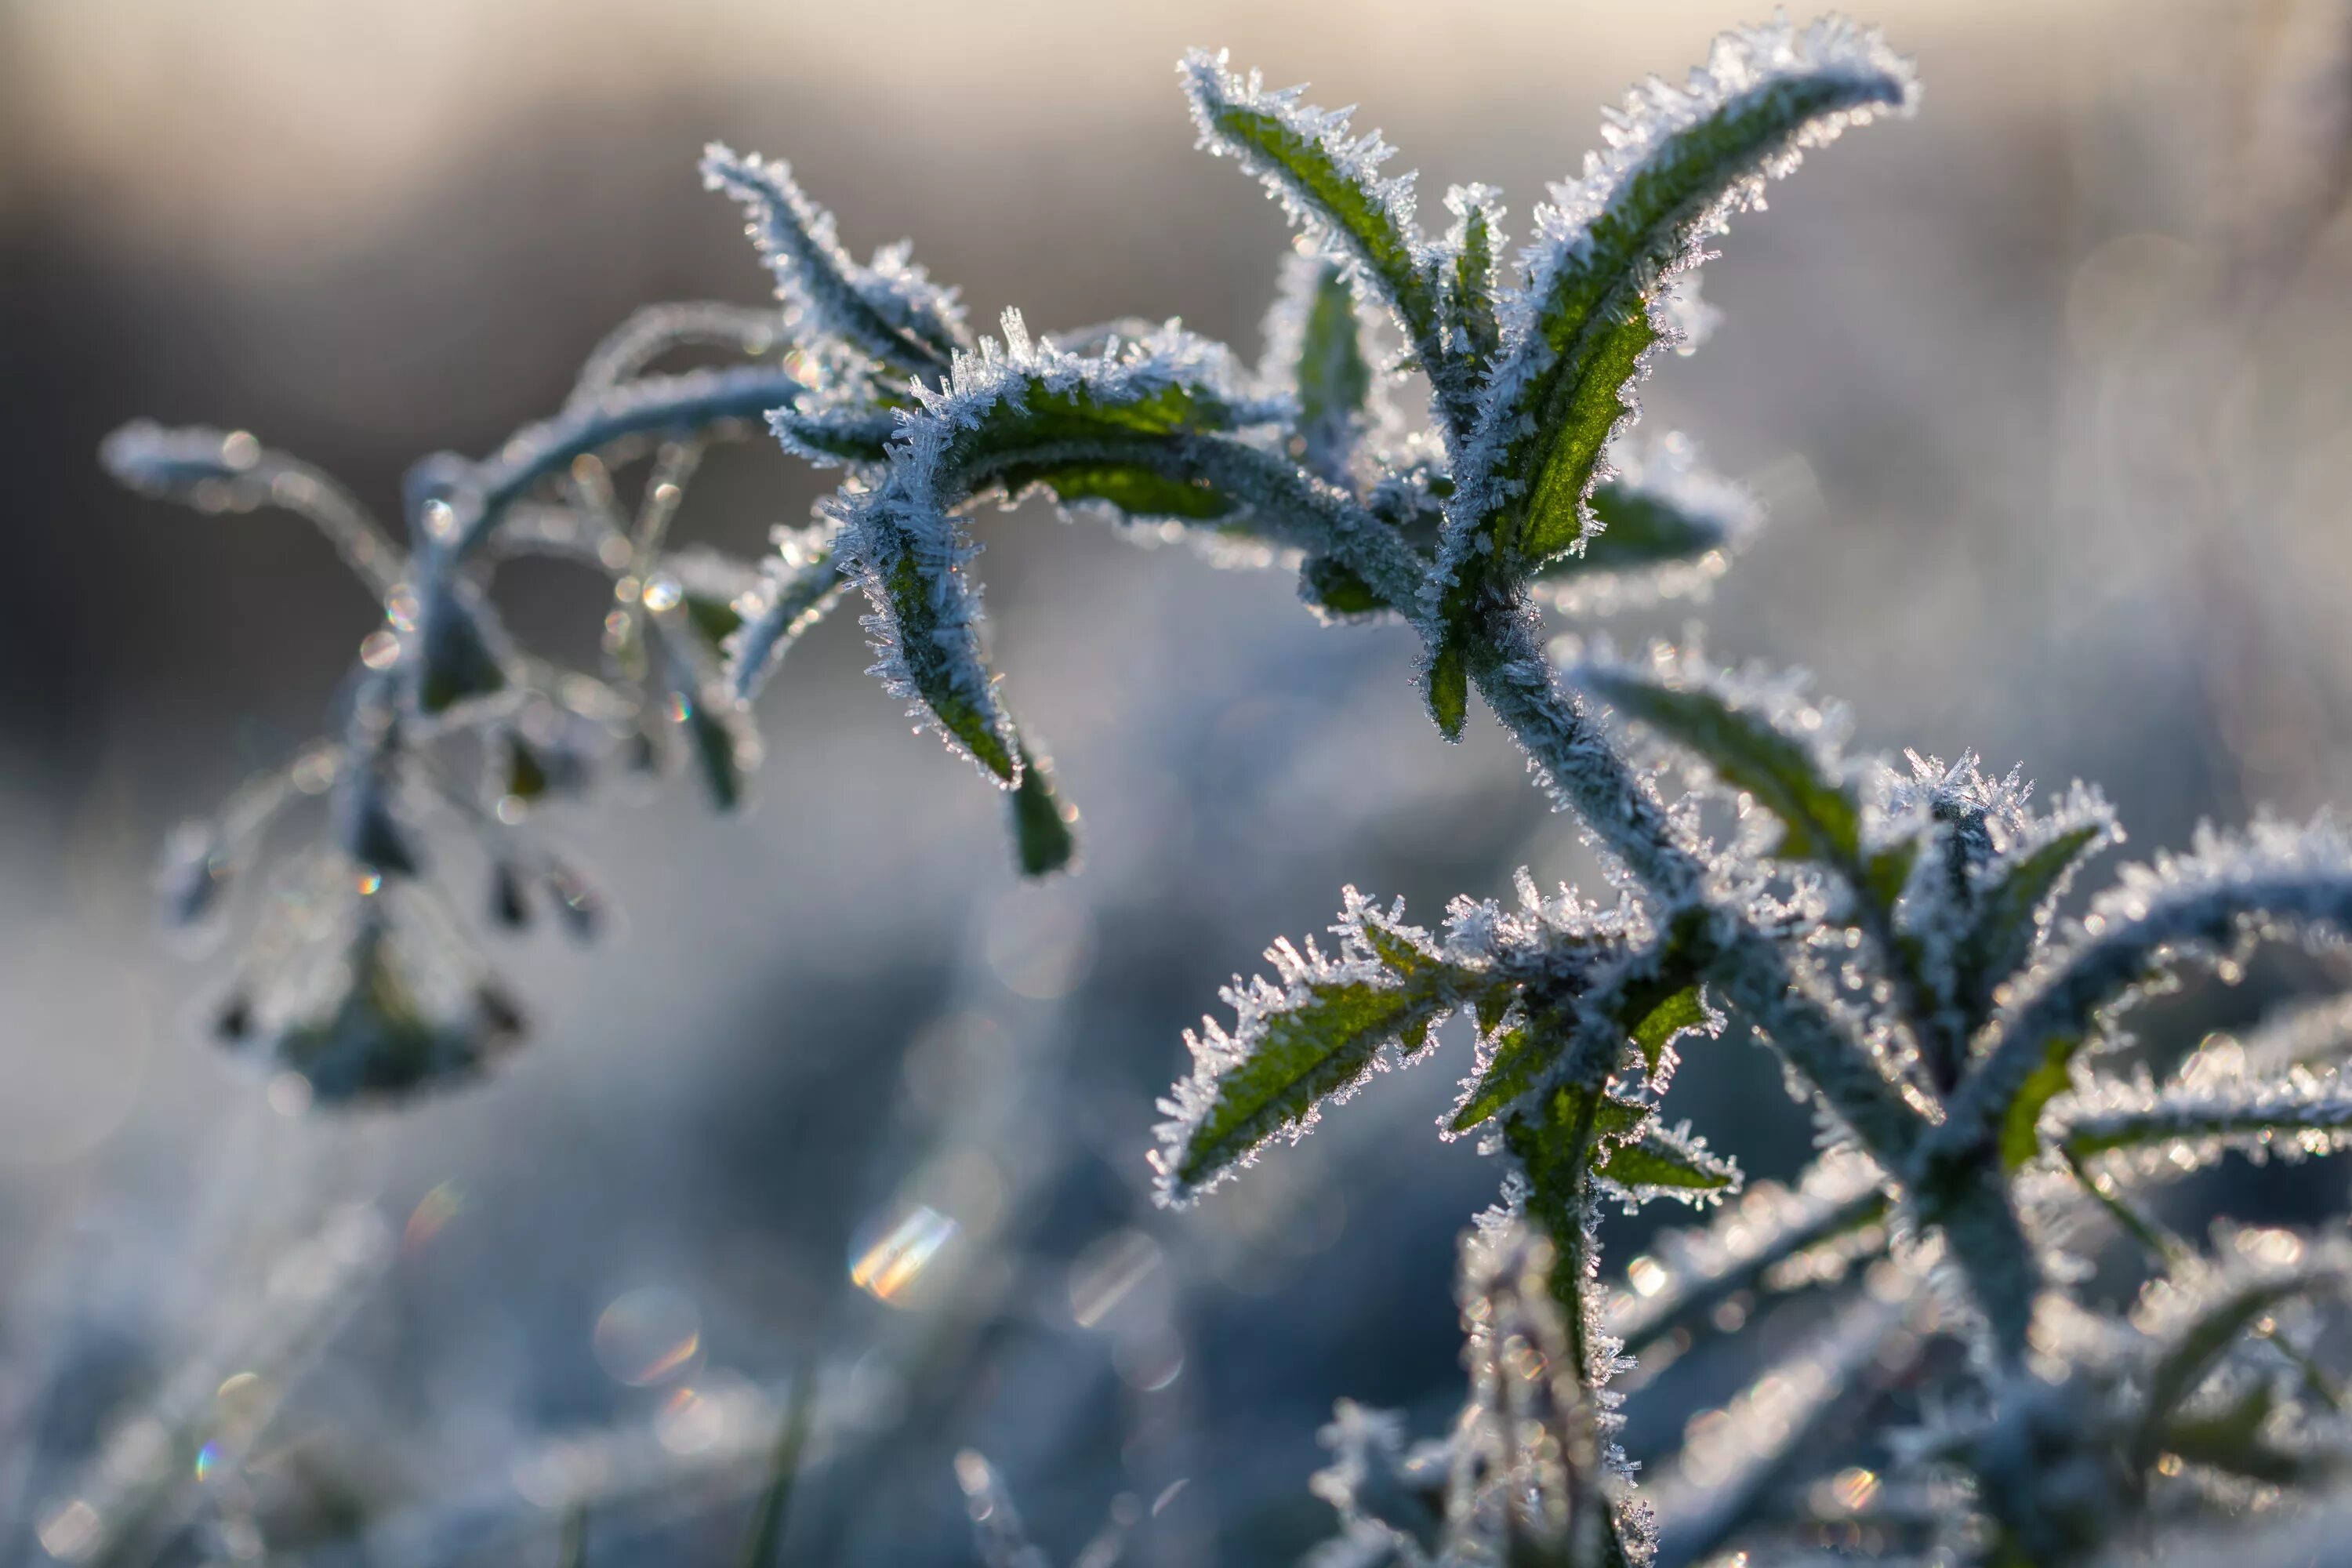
(1650, 998)
(1315, 1035)
(1753, 1246)
(1044, 827)
(217, 470)
(2229, 1307)
(1331, 185)
(800, 583)
(1776, 760)
(1009, 414)
(2275, 878)
(1580, 332)
(2010, 911)
(1470, 302)
(1316, 352)
(2298, 1113)
(890, 310)
(1663, 1162)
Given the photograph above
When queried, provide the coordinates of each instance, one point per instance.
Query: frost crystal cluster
(1988, 1135)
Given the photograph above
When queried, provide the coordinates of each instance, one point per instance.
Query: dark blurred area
(2044, 390)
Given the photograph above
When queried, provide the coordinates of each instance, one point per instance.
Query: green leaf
(1658, 1159)
(1470, 294)
(1678, 1012)
(1580, 416)
(1326, 181)
(1591, 322)
(2304, 1112)
(2230, 1440)
(2186, 1362)
(1820, 819)
(714, 618)
(1640, 528)
(831, 435)
(1306, 1051)
(723, 749)
(1133, 488)
(1330, 371)
(1517, 1060)
(894, 316)
(2008, 912)
(1449, 689)
(1045, 828)
(2021, 1138)
(1329, 585)
(456, 658)
(525, 774)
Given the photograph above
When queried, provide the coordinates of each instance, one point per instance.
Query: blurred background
(2044, 390)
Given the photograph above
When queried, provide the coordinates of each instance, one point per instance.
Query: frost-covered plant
(1892, 932)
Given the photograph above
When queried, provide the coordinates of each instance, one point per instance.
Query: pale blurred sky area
(2044, 388)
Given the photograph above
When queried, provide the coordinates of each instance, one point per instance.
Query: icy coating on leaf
(1580, 330)
(1017, 412)
(890, 310)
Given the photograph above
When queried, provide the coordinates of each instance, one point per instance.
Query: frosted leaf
(1317, 357)
(364, 989)
(631, 348)
(1709, 1488)
(1671, 529)
(2272, 881)
(1533, 1465)
(1019, 414)
(1330, 181)
(1773, 1238)
(1994, 870)
(1581, 331)
(1666, 1162)
(1617, 992)
(228, 470)
(800, 582)
(1313, 1035)
(1761, 737)
(888, 311)
(1468, 253)
(1386, 1492)
(2214, 1106)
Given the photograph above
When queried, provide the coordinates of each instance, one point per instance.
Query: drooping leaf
(1012, 415)
(888, 311)
(800, 583)
(456, 656)
(1045, 828)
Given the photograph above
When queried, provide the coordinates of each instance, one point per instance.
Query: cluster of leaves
(1892, 932)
